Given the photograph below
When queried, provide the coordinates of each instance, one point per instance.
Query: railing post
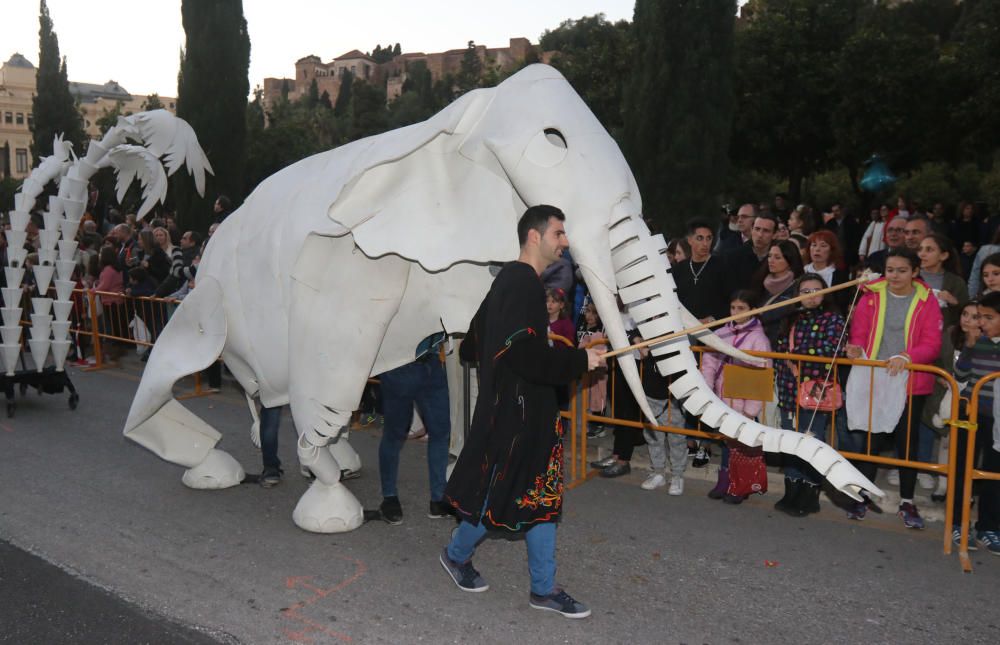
(95, 331)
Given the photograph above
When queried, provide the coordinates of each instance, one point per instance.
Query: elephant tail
(191, 341)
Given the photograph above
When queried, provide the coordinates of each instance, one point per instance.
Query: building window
(8, 117)
(21, 155)
(173, 106)
(20, 118)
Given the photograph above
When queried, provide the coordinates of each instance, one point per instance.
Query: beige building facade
(17, 88)
(390, 75)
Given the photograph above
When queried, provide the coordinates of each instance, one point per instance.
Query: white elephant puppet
(336, 267)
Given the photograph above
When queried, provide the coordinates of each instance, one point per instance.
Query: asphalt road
(127, 548)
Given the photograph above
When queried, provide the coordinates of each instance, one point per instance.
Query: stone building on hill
(390, 75)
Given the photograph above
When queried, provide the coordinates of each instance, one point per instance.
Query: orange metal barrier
(579, 472)
(972, 426)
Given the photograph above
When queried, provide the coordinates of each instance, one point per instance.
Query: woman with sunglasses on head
(817, 329)
(939, 268)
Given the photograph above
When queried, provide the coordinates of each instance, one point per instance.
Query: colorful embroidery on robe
(548, 489)
(528, 331)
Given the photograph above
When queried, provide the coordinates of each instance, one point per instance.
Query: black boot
(807, 497)
(810, 498)
(791, 492)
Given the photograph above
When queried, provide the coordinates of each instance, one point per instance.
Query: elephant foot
(217, 470)
(328, 509)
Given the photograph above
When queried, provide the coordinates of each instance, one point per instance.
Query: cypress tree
(53, 107)
(679, 106)
(212, 89)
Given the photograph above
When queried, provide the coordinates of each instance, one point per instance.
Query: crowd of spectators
(940, 264)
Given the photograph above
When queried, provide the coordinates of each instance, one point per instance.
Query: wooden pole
(723, 321)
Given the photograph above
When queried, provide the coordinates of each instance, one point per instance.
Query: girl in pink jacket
(897, 320)
(743, 471)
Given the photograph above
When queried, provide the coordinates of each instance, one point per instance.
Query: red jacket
(923, 328)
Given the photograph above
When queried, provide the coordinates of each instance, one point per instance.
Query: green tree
(53, 107)
(312, 97)
(109, 118)
(368, 111)
(470, 70)
(787, 86)
(595, 56)
(891, 85)
(977, 57)
(679, 106)
(212, 90)
(343, 102)
(152, 102)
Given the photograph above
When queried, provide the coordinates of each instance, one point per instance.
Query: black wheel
(74, 400)
(11, 407)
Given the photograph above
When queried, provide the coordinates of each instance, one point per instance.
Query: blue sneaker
(560, 602)
(956, 536)
(857, 511)
(911, 518)
(990, 540)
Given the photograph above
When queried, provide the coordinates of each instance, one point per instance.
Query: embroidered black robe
(513, 456)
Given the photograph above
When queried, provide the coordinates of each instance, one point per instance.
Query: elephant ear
(421, 196)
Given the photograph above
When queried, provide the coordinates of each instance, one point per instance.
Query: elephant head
(471, 171)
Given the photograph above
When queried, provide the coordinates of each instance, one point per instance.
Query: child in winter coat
(592, 331)
(743, 471)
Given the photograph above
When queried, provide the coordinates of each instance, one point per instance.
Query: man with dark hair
(509, 475)
(743, 263)
(222, 207)
(701, 279)
(849, 231)
(917, 228)
(744, 222)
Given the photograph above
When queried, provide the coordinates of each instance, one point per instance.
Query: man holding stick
(509, 475)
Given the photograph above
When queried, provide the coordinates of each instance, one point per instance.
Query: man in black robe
(509, 475)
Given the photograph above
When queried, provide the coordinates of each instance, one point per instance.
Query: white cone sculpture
(42, 306)
(10, 354)
(39, 351)
(15, 256)
(51, 219)
(69, 229)
(60, 329)
(11, 316)
(61, 309)
(11, 335)
(14, 276)
(12, 296)
(67, 250)
(43, 277)
(48, 257)
(19, 220)
(16, 239)
(60, 349)
(65, 269)
(74, 209)
(49, 237)
(64, 289)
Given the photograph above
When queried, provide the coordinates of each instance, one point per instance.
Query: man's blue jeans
(270, 420)
(422, 383)
(541, 541)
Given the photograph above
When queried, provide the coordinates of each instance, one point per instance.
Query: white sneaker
(676, 486)
(926, 481)
(893, 477)
(654, 481)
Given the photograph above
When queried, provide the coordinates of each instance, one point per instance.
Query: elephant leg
(191, 341)
(333, 344)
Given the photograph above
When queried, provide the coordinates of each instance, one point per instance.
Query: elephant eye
(555, 137)
(547, 148)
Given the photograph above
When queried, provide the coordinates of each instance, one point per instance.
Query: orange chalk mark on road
(310, 627)
(6, 428)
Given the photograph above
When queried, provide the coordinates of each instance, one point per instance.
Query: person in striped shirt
(978, 358)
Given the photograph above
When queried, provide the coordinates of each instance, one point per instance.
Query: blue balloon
(878, 177)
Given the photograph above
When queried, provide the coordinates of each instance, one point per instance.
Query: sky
(137, 42)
